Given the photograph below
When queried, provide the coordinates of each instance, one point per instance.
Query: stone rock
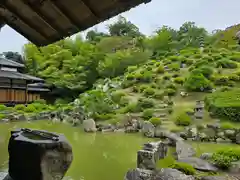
(199, 164)
(146, 159)
(159, 131)
(215, 126)
(230, 134)
(148, 129)
(160, 147)
(139, 174)
(89, 125)
(163, 174)
(172, 174)
(206, 156)
(183, 135)
(199, 114)
(45, 155)
(210, 133)
(238, 138)
(173, 138)
(184, 150)
(216, 178)
(3, 175)
(235, 167)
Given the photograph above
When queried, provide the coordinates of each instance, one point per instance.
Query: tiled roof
(17, 75)
(8, 62)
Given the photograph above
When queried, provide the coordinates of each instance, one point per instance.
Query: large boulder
(89, 125)
(148, 129)
(163, 174)
(199, 164)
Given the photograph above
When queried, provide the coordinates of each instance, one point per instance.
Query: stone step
(161, 115)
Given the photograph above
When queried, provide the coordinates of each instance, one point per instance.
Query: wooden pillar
(26, 93)
(10, 96)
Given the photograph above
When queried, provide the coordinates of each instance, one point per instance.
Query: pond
(96, 156)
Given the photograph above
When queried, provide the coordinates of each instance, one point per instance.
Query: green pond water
(100, 156)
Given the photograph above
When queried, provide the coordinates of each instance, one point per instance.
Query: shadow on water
(96, 156)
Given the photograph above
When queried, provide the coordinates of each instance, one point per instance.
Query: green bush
(149, 92)
(103, 117)
(170, 92)
(224, 158)
(167, 77)
(147, 114)
(182, 119)
(123, 101)
(132, 68)
(2, 107)
(143, 87)
(224, 105)
(206, 71)
(30, 108)
(158, 95)
(234, 77)
(144, 103)
(235, 57)
(225, 63)
(40, 101)
(117, 96)
(2, 116)
(155, 121)
(197, 82)
(135, 89)
(179, 80)
(144, 76)
(228, 125)
(20, 107)
(221, 80)
(132, 107)
(184, 167)
(130, 77)
(160, 69)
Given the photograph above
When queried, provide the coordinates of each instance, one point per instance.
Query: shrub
(175, 66)
(130, 77)
(206, 71)
(40, 101)
(170, 92)
(225, 63)
(127, 84)
(221, 80)
(182, 119)
(234, 77)
(224, 158)
(224, 105)
(160, 69)
(179, 80)
(227, 125)
(2, 107)
(184, 167)
(2, 116)
(143, 87)
(158, 95)
(166, 77)
(149, 92)
(144, 76)
(235, 57)
(132, 68)
(132, 107)
(175, 75)
(145, 103)
(20, 107)
(30, 108)
(135, 89)
(147, 114)
(117, 96)
(123, 101)
(197, 82)
(173, 58)
(155, 121)
(103, 117)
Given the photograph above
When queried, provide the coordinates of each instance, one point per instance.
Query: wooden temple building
(18, 88)
(46, 21)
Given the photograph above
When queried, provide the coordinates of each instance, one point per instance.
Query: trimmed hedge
(224, 104)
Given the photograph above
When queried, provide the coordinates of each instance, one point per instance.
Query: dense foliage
(224, 104)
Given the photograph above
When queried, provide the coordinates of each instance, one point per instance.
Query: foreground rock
(199, 164)
(219, 178)
(163, 174)
(89, 125)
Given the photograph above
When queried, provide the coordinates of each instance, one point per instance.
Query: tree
(95, 36)
(15, 56)
(124, 28)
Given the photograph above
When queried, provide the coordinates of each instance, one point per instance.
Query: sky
(211, 14)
